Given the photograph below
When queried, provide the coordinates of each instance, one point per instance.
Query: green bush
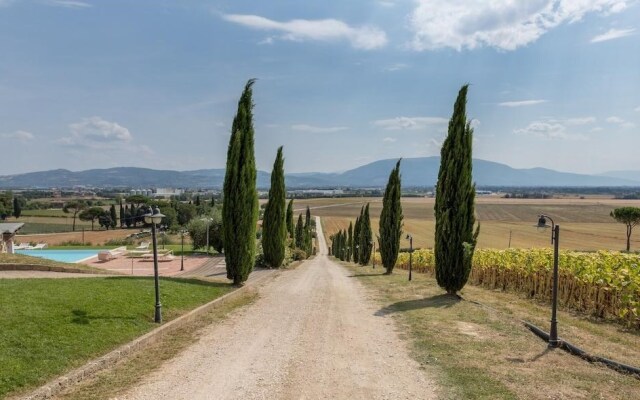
(298, 255)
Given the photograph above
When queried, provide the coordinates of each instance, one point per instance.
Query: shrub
(298, 255)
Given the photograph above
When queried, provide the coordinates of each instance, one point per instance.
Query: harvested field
(585, 223)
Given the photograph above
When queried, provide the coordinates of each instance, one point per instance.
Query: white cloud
(20, 136)
(389, 139)
(620, 122)
(612, 34)
(410, 123)
(580, 121)
(521, 103)
(317, 129)
(549, 129)
(68, 3)
(97, 133)
(386, 3)
(637, 109)
(503, 24)
(396, 67)
(328, 30)
(615, 120)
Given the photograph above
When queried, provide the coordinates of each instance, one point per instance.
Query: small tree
(122, 216)
(630, 216)
(300, 233)
(113, 215)
(274, 225)
(290, 226)
(391, 221)
(17, 210)
(308, 235)
(91, 214)
(75, 207)
(455, 240)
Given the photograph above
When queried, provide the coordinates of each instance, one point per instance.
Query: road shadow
(439, 301)
(364, 275)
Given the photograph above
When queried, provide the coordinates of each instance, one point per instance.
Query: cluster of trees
(10, 206)
(355, 243)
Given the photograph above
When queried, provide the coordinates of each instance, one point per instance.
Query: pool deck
(122, 265)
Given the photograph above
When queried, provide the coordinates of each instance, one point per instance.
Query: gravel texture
(313, 334)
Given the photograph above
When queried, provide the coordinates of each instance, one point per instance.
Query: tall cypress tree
(366, 243)
(290, 227)
(308, 236)
(122, 216)
(274, 225)
(455, 240)
(391, 221)
(356, 240)
(300, 233)
(113, 216)
(240, 206)
(349, 241)
(17, 210)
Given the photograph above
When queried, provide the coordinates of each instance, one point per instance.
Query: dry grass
(113, 382)
(585, 224)
(485, 352)
(96, 238)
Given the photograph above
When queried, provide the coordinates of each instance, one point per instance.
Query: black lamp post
(182, 233)
(410, 238)
(555, 238)
(154, 217)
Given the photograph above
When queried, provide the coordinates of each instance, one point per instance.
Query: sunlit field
(585, 223)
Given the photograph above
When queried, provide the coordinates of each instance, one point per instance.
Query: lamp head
(153, 216)
(542, 223)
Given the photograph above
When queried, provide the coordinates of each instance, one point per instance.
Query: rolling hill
(416, 172)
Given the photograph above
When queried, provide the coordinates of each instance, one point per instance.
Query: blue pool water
(69, 256)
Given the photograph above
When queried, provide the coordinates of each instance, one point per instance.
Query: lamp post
(182, 233)
(555, 238)
(208, 222)
(410, 238)
(373, 256)
(154, 217)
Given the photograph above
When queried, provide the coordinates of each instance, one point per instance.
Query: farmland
(585, 223)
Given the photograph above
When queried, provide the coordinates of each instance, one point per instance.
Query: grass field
(585, 223)
(453, 341)
(53, 325)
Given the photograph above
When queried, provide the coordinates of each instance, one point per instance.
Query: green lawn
(53, 325)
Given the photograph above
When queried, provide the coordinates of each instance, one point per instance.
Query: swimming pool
(69, 256)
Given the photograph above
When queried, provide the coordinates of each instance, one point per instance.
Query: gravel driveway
(312, 334)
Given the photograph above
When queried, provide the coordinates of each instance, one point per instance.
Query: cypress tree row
(290, 227)
(356, 239)
(240, 206)
(455, 240)
(366, 243)
(391, 221)
(299, 233)
(274, 225)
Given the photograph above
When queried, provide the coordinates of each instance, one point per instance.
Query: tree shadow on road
(439, 301)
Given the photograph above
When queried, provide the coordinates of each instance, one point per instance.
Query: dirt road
(311, 335)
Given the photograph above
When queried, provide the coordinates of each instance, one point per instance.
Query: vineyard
(603, 284)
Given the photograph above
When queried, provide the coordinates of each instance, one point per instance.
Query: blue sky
(97, 84)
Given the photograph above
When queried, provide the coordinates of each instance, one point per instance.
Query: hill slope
(415, 172)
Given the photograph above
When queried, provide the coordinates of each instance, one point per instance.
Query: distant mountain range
(416, 172)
